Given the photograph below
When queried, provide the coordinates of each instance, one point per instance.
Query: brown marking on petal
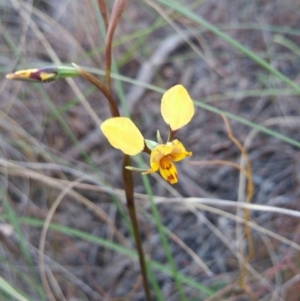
(172, 178)
(168, 171)
(166, 163)
(43, 75)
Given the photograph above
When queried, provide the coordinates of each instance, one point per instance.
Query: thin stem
(146, 149)
(95, 81)
(171, 135)
(128, 184)
(103, 11)
(117, 11)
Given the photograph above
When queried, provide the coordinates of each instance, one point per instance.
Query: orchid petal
(122, 134)
(160, 151)
(179, 152)
(168, 171)
(177, 107)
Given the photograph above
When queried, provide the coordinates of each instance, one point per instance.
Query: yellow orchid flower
(162, 158)
(177, 110)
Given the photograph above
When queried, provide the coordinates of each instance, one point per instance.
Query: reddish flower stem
(129, 191)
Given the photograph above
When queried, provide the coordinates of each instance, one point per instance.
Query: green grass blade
(120, 249)
(287, 43)
(244, 121)
(210, 108)
(11, 291)
(162, 234)
(86, 157)
(13, 219)
(187, 13)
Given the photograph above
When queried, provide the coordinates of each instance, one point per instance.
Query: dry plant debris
(51, 143)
